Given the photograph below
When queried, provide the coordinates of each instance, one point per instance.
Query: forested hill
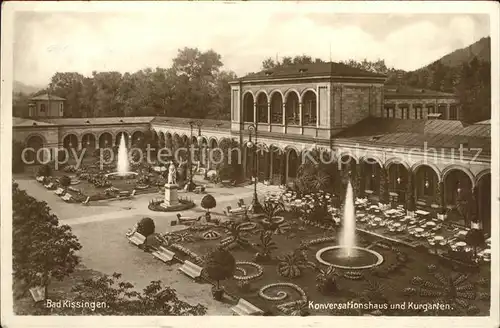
(465, 72)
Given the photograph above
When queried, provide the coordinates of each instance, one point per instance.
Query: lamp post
(191, 186)
(256, 207)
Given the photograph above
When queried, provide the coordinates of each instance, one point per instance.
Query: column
(269, 113)
(271, 164)
(284, 113)
(447, 111)
(384, 185)
(255, 117)
(410, 196)
(300, 114)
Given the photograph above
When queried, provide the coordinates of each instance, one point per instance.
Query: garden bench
(40, 179)
(199, 189)
(191, 270)
(59, 191)
(236, 211)
(228, 183)
(136, 239)
(163, 254)
(49, 186)
(66, 197)
(186, 219)
(246, 308)
(86, 201)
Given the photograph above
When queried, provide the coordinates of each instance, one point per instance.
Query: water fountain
(122, 165)
(347, 255)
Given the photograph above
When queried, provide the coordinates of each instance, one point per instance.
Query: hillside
(481, 49)
(18, 87)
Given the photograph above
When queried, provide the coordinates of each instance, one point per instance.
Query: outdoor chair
(59, 191)
(86, 201)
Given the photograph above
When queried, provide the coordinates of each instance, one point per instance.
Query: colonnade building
(348, 114)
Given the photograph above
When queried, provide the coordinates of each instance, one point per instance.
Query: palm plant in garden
(272, 207)
(235, 232)
(292, 264)
(326, 280)
(266, 246)
(219, 265)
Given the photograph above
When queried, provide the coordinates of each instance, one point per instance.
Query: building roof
(414, 133)
(18, 121)
(46, 96)
(98, 120)
(400, 91)
(184, 122)
(329, 69)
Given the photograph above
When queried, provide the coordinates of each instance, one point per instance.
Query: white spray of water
(348, 233)
(122, 166)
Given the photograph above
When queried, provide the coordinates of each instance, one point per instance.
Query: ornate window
(42, 108)
(453, 112)
(309, 109)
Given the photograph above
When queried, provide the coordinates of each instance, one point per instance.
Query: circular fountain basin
(121, 176)
(363, 259)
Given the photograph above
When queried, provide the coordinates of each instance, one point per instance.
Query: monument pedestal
(171, 197)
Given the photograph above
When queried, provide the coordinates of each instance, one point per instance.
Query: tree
(219, 265)
(146, 226)
(113, 296)
(65, 181)
(208, 202)
(17, 160)
(42, 249)
(44, 170)
(475, 238)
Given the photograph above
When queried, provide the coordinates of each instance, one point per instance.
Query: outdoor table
(438, 238)
(431, 224)
(460, 245)
(377, 219)
(419, 229)
(396, 224)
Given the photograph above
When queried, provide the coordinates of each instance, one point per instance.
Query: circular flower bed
(281, 295)
(274, 220)
(247, 226)
(142, 186)
(246, 277)
(184, 204)
(317, 241)
(192, 255)
(211, 235)
(353, 275)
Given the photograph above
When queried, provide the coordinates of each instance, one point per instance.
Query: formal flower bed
(394, 285)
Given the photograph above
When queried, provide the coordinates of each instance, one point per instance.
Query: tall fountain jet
(348, 233)
(122, 165)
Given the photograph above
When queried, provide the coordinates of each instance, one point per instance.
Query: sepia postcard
(163, 162)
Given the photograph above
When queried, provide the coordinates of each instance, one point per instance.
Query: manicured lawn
(388, 289)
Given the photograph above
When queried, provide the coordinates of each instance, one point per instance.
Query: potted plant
(208, 202)
(219, 265)
(271, 208)
(65, 181)
(267, 245)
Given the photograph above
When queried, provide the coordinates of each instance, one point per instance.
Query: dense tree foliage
(42, 249)
(194, 86)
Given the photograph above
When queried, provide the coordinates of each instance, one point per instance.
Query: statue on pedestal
(172, 174)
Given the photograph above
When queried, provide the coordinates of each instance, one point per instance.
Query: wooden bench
(40, 179)
(186, 219)
(235, 211)
(49, 186)
(59, 191)
(163, 254)
(67, 197)
(191, 270)
(136, 239)
(38, 293)
(246, 308)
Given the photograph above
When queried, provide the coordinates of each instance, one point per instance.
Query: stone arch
(396, 160)
(31, 135)
(248, 107)
(289, 91)
(213, 143)
(417, 165)
(261, 91)
(292, 108)
(465, 170)
(118, 137)
(276, 100)
(350, 154)
(292, 162)
(309, 100)
(261, 102)
(70, 140)
(36, 141)
(307, 90)
(105, 139)
(137, 135)
(480, 175)
(365, 159)
(89, 140)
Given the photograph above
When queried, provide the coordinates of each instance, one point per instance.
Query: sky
(49, 42)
